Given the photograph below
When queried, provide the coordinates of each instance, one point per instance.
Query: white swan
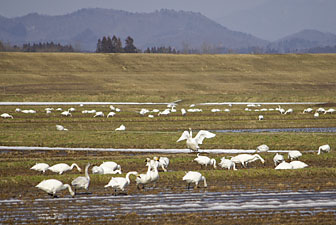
(97, 170)
(82, 182)
(323, 148)
(244, 159)
(61, 128)
(260, 117)
(6, 116)
(99, 114)
(298, 164)
(183, 112)
(144, 178)
(284, 166)
(42, 167)
(52, 186)
(194, 177)
(163, 163)
(66, 113)
(122, 127)
(192, 143)
(278, 159)
(205, 161)
(63, 167)
(227, 164)
(110, 168)
(294, 154)
(307, 110)
(289, 111)
(110, 114)
(262, 148)
(119, 183)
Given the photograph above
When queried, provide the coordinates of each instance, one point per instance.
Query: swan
(183, 112)
(99, 114)
(246, 158)
(42, 167)
(110, 167)
(66, 113)
(52, 186)
(71, 109)
(194, 177)
(110, 114)
(82, 182)
(316, 115)
(6, 115)
(323, 148)
(298, 164)
(61, 128)
(144, 178)
(205, 161)
(260, 117)
(289, 111)
(119, 183)
(320, 110)
(97, 170)
(122, 127)
(331, 111)
(227, 164)
(163, 163)
(144, 111)
(63, 167)
(284, 166)
(307, 110)
(278, 159)
(294, 154)
(262, 148)
(192, 143)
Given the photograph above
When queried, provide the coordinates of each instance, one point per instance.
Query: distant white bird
(244, 159)
(194, 177)
(120, 183)
(284, 166)
(117, 110)
(71, 109)
(161, 162)
(122, 127)
(316, 115)
(143, 111)
(183, 112)
(307, 110)
(61, 128)
(110, 114)
(17, 110)
(42, 167)
(164, 112)
(320, 110)
(227, 164)
(215, 110)
(82, 182)
(205, 161)
(63, 167)
(66, 113)
(294, 154)
(262, 148)
(260, 117)
(323, 148)
(99, 114)
(52, 186)
(278, 159)
(59, 109)
(193, 143)
(6, 115)
(329, 111)
(110, 167)
(298, 164)
(289, 111)
(150, 116)
(112, 107)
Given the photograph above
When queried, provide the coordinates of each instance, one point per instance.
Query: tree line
(114, 45)
(40, 47)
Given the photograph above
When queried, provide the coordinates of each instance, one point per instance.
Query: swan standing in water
(194, 177)
(119, 183)
(42, 167)
(192, 143)
(52, 186)
(244, 159)
(205, 161)
(151, 176)
(63, 167)
(82, 182)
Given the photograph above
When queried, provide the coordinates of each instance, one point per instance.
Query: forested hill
(82, 29)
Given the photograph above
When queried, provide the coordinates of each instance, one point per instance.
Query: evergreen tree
(129, 46)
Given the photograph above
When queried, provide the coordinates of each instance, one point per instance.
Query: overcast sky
(211, 8)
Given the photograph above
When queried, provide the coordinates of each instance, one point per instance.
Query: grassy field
(165, 78)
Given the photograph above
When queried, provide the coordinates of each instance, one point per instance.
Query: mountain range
(178, 29)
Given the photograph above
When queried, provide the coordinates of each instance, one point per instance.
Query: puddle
(303, 130)
(28, 211)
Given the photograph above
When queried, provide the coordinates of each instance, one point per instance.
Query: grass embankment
(150, 77)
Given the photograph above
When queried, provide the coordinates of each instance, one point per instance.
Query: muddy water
(102, 207)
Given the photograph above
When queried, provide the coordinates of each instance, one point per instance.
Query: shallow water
(28, 211)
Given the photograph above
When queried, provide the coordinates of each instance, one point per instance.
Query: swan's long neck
(213, 162)
(69, 188)
(128, 175)
(204, 180)
(75, 165)
(190, 133)
(259, 157)
(87, 171)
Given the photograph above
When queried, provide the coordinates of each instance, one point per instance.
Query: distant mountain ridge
(178, 29)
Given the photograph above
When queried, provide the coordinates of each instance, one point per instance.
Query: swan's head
(156, 158)
(147, 160)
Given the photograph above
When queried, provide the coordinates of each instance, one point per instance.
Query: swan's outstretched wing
(203, 134)
(184, 136)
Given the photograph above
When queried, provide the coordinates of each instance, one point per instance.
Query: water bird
(298, 164)
(42, 167)
(205, 161)
(284, 166)
(82, 182)
(278, 159)
(323, 148)
(227, 164)
(244, 159)
(99, 114)
(52, 186)
(6, 116)
(110, 114)
(294, 154)
(121, 128)
(194, 177)
(193, 143)
(262, 148)
(120, 183)
(66, 113)
(61, 128)
(63, 167)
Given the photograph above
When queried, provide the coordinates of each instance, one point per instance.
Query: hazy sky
(211, 8)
